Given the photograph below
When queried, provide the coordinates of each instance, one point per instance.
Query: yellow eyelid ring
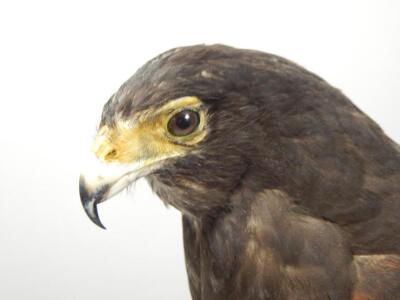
(192, 138)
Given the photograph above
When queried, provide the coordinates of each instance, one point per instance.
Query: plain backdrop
(59, 63)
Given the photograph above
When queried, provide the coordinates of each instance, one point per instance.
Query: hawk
(287, 190)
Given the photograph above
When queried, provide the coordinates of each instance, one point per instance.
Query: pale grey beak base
(91, 199)
(100, 181)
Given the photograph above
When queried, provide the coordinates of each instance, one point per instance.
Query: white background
(60, 62)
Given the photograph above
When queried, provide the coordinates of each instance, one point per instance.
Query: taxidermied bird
(287, 190)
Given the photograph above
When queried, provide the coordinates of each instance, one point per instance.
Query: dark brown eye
(183, 123)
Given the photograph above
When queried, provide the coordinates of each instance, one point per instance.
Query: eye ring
(184, 122)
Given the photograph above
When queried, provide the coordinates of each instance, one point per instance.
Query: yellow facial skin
(145, 139)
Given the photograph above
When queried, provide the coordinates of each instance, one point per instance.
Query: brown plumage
(289, 191)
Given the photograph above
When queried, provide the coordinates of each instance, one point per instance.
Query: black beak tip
(89, 203)
(91, 212)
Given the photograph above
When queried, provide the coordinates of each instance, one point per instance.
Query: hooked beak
(104, 180)
(91, 199)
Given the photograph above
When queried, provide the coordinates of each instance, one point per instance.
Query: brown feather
(290, 187)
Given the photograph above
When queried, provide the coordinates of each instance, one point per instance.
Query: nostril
(111, 154)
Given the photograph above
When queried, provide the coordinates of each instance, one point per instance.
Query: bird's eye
(183, 123)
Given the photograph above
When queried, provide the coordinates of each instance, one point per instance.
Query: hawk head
(198, 122)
